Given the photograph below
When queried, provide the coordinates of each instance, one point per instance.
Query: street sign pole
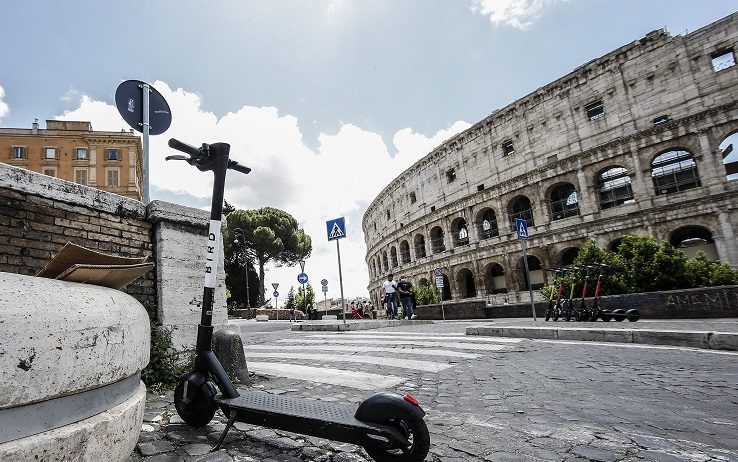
(146, 125)
(340, 280)
(438, 274)
(523, 237)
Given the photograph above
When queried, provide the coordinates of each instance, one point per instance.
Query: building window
(50, 153)
(480, 187)
(595, 110)
(614, 188)
(19, 152)
(112, 178)
(388, 214)
(80, 154)
(50, 172)
(412, 198)
(113, 154)
(433, 208)
(80, 176)
(674, 171)
(451, 175)
(723, 60)
(661, 120)
(507, 148)
(564, 202)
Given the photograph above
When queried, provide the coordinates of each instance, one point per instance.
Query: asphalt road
(498, 400)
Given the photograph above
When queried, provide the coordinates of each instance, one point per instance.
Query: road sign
(275, 285)
(302, 278)
(439, 281)
(438, 272)
(275, 294)
(324, 282)
(325, 289)
(336, 229)
(521, 227)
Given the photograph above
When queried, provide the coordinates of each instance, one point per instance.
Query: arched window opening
(385, 264)
(437, 240)
(420, 246)
(374, 267)
(494, 279)
(615, 244)
(487, 224)
(569, 255)
(536, 274)
(460, 232)
(405, 252)
(466, 283)
(521, 208)
(393, 256)
(674, 171)
(730, 156)
(564, 202)
(693, 239)
(446, 291)
(613, 187)
(422, 282)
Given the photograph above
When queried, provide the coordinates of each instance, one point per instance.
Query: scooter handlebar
(233, 165)
(184, 147)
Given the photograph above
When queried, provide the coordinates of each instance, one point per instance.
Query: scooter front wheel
(199, 411)
(416, 432)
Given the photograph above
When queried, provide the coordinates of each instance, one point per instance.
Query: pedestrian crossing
(367, 361)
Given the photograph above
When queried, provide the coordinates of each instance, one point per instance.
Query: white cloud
(4, 110)
(347, 170)
(520, 14)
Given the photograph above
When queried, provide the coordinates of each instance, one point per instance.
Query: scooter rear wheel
(199, 411)
(416, 432)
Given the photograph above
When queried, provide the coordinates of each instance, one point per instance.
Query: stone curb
(692, 339)
(353, 325)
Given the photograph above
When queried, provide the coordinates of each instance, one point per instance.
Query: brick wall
(39, 215)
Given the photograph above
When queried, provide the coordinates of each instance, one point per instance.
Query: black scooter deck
(307, 416)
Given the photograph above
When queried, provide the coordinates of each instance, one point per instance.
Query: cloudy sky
(327, 100)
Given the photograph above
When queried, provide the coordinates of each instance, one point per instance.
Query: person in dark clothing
(405, 289)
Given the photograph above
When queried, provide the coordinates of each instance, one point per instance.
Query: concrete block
(490, 331)
(724, 341)
(262, 318)
(676, 338)
(329, 317)
(228, 348)
(530, 332)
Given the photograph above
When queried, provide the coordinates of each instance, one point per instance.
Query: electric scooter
(389, 426)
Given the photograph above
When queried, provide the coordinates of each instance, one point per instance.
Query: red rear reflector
(411, 399)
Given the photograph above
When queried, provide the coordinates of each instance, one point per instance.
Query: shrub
(426, 295)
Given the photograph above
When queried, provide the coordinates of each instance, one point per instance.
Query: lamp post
(245, 262)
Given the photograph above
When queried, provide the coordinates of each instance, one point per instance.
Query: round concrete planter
(70, 359)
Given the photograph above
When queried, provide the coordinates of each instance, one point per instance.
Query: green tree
(290, 303)
(701, 272)
(300, 298)
(426, 295)
(270, 235)
(227, 208)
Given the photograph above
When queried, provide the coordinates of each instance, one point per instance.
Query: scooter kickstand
(231, 420)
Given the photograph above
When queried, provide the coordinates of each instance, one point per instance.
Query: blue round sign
(302, 278)
(275, 294)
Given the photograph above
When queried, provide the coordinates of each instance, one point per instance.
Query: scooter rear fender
(380, 407)
(196, 381)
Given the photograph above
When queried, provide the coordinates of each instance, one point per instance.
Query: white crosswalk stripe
(337, 358)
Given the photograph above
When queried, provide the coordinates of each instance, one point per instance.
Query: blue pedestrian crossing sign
(336, 229)
(521, 227)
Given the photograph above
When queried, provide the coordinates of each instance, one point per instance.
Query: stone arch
(405, 251)
(422, 282)
(520, 207)
(729, 151)
(385, 262)
(438, 244)
(494, 279)
(486, 223)
(419, 244)
(614, 244)
(446, 291)
(466, 283)
(613, 187)
(393, 256)
(674, 170)
(374, 267)
(460, 232)
(693, 239)
(536, 273)
(563, 201)
(567, 256)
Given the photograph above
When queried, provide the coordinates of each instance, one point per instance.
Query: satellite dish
(129, 101)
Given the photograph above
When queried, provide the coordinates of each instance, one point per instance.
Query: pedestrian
(390, 296)
(405, 289)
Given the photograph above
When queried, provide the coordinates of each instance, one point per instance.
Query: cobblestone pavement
(514, 400)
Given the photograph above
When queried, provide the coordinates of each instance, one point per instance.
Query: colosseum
(638, 141)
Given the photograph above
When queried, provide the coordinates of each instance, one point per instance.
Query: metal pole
(440, 293)
(304, 299)
(248, 303)
(340, 280)
(530, 284)
(146, 90)
(325, 302)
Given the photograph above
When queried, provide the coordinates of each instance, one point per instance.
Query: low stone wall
(709, 302)
(471, 309)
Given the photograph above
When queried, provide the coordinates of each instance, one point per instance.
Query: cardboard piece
(78, 264)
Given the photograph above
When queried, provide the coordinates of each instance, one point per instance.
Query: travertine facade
(72, 151)
(632, 142)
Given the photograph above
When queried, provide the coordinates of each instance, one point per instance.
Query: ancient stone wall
(628, 143)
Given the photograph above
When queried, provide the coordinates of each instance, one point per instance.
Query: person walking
(390, 296)
(405, 289)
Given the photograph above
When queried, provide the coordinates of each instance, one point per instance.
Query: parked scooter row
(567, 310)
